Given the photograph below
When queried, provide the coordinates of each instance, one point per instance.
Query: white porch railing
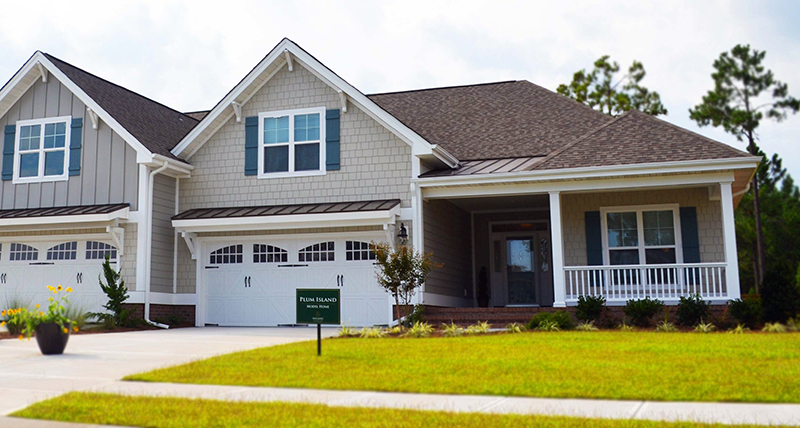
(663, 282)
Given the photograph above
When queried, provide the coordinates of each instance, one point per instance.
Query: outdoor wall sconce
(403, 235)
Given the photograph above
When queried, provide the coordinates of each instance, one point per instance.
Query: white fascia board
(298, 221)
(121, 214)
(600, 185)
(142, 153)
(17, 79)
(323, 73)
(593, 172)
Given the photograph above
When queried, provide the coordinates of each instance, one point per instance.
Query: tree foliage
(402, 271)
(599, 90)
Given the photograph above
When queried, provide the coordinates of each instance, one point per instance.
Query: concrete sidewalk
(726, 413)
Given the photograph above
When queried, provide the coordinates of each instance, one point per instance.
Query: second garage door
(254, 282)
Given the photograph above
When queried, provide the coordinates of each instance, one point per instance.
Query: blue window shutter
(251, 145)
(690, 238)
(332, 140)
(594, 239)
(75, 140)
(8, 152)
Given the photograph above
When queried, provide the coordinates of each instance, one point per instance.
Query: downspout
(149, 238)
(743, 191)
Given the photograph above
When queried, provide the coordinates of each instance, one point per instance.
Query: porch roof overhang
(80, 216)
(300, 216)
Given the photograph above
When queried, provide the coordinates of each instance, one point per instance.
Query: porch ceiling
(503, 202)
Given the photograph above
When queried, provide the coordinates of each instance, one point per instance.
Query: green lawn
(164, 412)
(617, 365)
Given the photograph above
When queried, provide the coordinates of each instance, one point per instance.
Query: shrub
(548, 325)
(347, 332)
(419, 329)
(417, 315)
(640, 312)
(706, 327)
(372, 332)
(590, 308)
(515, 327)
(117, 293)
(78, 316)
(479, 328)
(793, 324)
(398, 329)
(586, 326)
(692, 310)
(780, 298)
(14, 324)
(666, 327)
(626, 327)
(561, 319)
(774, 327)
(747, 312)
(739, 329)
(452, 330)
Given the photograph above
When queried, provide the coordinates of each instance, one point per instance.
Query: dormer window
(41, 152)
(291, 143)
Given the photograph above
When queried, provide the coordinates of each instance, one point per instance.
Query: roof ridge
(51, 57)
(446, 87)
(581, 138)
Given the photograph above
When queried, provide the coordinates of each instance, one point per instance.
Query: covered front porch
(545, 244)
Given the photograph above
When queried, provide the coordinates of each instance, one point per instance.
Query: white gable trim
(37, 63)
(420, 145)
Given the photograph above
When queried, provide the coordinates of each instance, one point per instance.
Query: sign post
(318, 306)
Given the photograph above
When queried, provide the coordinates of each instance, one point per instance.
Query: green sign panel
(318, 306)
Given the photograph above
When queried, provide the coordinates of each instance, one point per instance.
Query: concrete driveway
(93, 360)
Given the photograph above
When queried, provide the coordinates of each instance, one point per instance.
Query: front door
(521, 271)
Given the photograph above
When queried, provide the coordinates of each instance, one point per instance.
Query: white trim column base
(729, 234)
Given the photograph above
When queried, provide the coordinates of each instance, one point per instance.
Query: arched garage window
(99, 250)
(22, 252)
(231, 254)
(269, 254)
(358, 250)
(63, 251)
(320, 252)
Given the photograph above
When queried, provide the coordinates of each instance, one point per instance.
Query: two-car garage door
(28, 267)
(254, 282)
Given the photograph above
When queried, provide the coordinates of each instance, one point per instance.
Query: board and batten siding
(709, 218)
(447, 235)
(109, 172)
(163, 242)
(375, 164)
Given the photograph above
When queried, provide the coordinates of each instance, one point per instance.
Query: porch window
(291, 143)
(645, 234)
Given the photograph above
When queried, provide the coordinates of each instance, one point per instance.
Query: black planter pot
(51, 338)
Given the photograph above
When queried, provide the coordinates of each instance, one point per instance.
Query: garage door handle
(292, 265)
(212, 267)
(41, 263)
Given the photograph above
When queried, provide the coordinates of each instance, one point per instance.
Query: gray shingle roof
(155, 125)
(493, 120)
(636, 138)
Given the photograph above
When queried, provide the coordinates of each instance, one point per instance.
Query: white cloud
(189, 54)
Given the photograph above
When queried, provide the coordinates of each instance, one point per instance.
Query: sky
(188, 55)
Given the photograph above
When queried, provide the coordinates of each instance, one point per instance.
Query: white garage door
(27, 268)
(254, 283)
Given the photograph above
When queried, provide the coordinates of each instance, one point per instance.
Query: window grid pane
(358, 250)
(622, 229)
(306, 157)
(64, 251)
(99, 250)
(306, 127)
(659, 228)
(232, 254)
(22, 252)
(276, 130)
(269, 254)
(321, 252)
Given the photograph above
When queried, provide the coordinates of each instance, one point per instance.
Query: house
(528, 198)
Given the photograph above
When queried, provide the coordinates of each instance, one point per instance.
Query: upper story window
(641, 235)
(291, 143)
(41, 152)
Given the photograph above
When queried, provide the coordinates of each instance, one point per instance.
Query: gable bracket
(190, 239)
(343, 100)
(237, 109)
(118, 236)
(289, 60)
(43, 72)
(93, 117)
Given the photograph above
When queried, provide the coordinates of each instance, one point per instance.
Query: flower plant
(30, 319)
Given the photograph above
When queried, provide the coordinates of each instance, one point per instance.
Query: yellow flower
(2, 314)
(50, 287)
(75, 329)
(41, 313)
(65, 330)
(2, 323)
(50, 299)
(60, 288)
(20, 337)
(37, 306)
(69, 289)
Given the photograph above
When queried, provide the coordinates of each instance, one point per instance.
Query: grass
(165, 412)
(607, 364)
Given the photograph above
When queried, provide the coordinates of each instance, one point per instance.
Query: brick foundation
(173, 315)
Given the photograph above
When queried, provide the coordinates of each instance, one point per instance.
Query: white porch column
(417, 233)
(559, 287)
(729, 234)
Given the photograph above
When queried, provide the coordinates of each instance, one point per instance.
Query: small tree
(401, 271)
(117, 293)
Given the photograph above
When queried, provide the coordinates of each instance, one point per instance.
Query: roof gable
(493, 120)
(638, 138)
